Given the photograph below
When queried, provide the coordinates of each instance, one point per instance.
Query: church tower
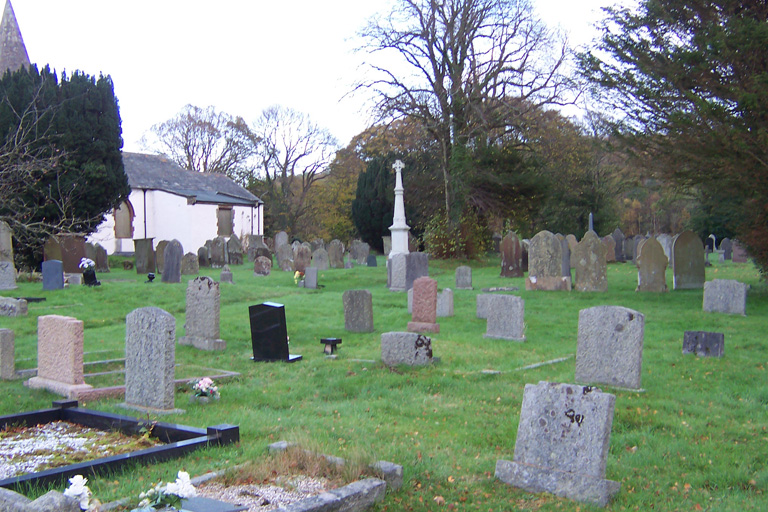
(13, 53)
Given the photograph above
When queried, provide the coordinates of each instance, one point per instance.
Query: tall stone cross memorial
(399, 228)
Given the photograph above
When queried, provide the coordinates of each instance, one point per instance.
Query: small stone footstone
(562, 443)
(407, 348)
(704, 344)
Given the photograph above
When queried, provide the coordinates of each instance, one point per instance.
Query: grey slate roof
(157, 172)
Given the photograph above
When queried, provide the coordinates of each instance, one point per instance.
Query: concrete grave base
(203, 343)
(577, 487)
(549, 283)
(60, 388)
(150, 410)
(423, 327)
(497, 337)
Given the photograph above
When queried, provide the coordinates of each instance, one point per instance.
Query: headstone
(636, 242)
(72, 251)
(545, 264)
(285, 258)
(201, 327)
(651, 267)
(160, 255)
(203, 257)
(565, 265)
(7, 276)
(726, 246)
(281, 239)
(610, 248)
(270, 243)
(102, 259)
(11, 307)
(618, 238)
(302, 257)
(150, 359)
(310, 278)
(144, 254)
(234, 251)
(629, 248)
(725, 296)
(483, 301)
(572, 243)
(563, 439)
(53, 275)
(190, 265)
(738, 252)
(505, 317)
(262, 266)
(688, 261)
(251, 245)
(445, 303)
(409, 348)
(371, 261)
(59, 356)
(172, 256)
(218, 250)
(7, 355)
(463, 278)
(269, 334)
(424, 306)
(404, 269)
(358, 310)
(591, 268)
(525, 245)
(52, 249)
(610, 346)
(336, 254)
(666, 243)
(363, 250)
(320, 259)
(226, 275)
(348, 261)
(317, 243)
(387, 242)
(704, 344)
(90, 251)
(511, 256)
(6, 242)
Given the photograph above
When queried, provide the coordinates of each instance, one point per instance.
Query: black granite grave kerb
(179, 439)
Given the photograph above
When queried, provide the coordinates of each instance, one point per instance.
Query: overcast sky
(238, 55)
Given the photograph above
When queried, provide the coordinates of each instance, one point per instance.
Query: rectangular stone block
(407, 348)
(150, 358)
(310, 278)
(13, 307)
(610, 346)
(704, 344)
(358, 310)
(424, 306)
(201, 325)
(464, 278)
(445, 303)
(505, 317)
(725, 296)
(7, 276)
(7, 355)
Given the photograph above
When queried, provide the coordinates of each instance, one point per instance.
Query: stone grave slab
(201, 325)
(725, 296)
(505, 317)
(358, 310)
(7, 276)
(234, 251)
(371, 261)
(160, 255)
(53, 275)
(545, 264)
(511, 256)
(218, 252)
(144, 255)
(172, 255)
(226, 275)
(310, 278)
(703, 343)
(6, 242)
(408, 348)
(336, 254)
(7, 355)
(463, 278)
(424, 317)
(269, 333)
(12, 307)
(588, 259)
(445, 303)
(651, 267)
(190, 265)
(262, 266)
(320, 259)
(688, 261)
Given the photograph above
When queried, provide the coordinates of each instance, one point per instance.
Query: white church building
(168, 202)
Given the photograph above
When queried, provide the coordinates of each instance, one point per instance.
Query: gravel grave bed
(264, 497)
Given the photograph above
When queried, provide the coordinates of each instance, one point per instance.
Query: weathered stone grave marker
(651, 267)
(13, 307)
(687, 261)
(226, 275)
(511, 256)
(262, 266)
(588, 258)
(53, 275)
(201, 325)
(144, 255)
(173, 253)
(703, 343)
(505, 317)
(407, 348)
(545, 264)
(463, 278)
(725, 296)
(310, 278)
(7, 355)
(358, 310)
(424, 306)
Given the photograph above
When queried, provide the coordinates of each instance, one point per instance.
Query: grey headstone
(150, 356)
(618, 237)
(496, 243)
(726, 246)
(572, 243)
(348, 261)
(445, 303)
(190, 265)
(505, 317)
(310, 278)
(546, 263)
(226, 275)
(8, 276)
(172, 262)
(252, 243)
(320, 259)
(628, 248)
(651, 267)
(610, 346)
(302, 257)
(563, 438)
(387, 241)
(262, 266)
(738, 253)
(396, 273)
(160, 255)
(358, 310)
(53, 275)
(281, 239)
(666, 243)
(12, 307)
(234, 251)
(483, 304)
(610, 248)
(7, 355)
(636, 241)
(407, 348)
(201, 327)
(725, 296)
(463, 278)
(317, 243)
(417, 265)
(285, 257)
(703, 343)
(371, 261)
(688, 261)
(336, 254)
(218, 251)
(203, 257)
(101, 259)
(511, 256)
(363, 250)
(6, 242)
(589, 262)
(144, 254)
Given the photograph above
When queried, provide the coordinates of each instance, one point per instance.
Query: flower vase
(199, 399)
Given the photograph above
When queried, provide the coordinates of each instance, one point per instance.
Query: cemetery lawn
(696, 438)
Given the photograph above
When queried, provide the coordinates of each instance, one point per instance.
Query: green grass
(695, 438)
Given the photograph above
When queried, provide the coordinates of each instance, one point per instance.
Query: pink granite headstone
(424, 306)
(59, 356)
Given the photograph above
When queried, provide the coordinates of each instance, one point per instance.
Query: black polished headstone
(703, 343)
(269, 335)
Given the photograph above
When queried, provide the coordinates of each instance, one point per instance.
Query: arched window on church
(124, 220)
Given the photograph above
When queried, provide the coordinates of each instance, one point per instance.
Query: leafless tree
(294, 153)
(205, 140)
(464, 68)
